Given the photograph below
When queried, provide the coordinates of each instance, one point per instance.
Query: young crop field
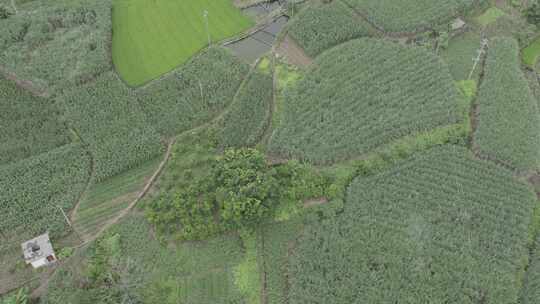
(409, 15)
(199, 272)
(248, 117)
(107, 117)
(194, 94)
(320, 27)
(508, 120)
(489, 16)
(460, 53)
(531, 54)
(30, 125)
(34, 41)
(364, 94)
(34, 190)
(154, 37)
(443, 227)
(105, 200)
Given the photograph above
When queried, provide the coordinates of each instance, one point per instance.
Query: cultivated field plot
(29, 125)
(106, 200)
(441, 228)
(531, 290)
(409, 15)
(508, 119)
(320, 27)
(109, 120)
(193, 94)
(35, 46)
(460, 53)
(364, 94)
(153, 37)
(248, 117)
(34, 189)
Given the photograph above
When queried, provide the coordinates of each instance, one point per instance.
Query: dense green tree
(532, 13)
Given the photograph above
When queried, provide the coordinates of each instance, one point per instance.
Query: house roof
(37, 248)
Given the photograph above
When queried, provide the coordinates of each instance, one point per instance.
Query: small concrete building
(39, 251)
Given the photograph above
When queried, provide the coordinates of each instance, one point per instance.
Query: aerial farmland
(269, 151)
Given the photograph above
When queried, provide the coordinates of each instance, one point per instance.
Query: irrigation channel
(260, 41)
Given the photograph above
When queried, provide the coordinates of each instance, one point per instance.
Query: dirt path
(293, 53)
(315, 202)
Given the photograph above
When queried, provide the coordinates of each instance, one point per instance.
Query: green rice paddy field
(152, 37)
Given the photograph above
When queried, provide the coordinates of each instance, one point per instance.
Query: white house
(39, 251)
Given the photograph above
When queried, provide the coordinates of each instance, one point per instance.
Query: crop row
(109, 120)
(508, 116)
(34, 190)
(364, 94)
(410, 15)
(419, 233)
(34, 47)
(194, 94)
(246, 121)
(30, 125)
(531, 291)
(320, 27)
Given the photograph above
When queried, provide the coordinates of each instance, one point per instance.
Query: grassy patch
(531, 53)
(468, 88)
(153, 37)
(489, 16)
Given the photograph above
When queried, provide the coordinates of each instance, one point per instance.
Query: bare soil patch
(293, 53)
(315, 202)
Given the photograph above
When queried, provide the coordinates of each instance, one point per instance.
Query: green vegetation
(460, 53)
(19, 297)
(238, 192)
(489, 16)
(195, 93)
(128, 263)
(531, 290)
(531, 53)
(167, 34)
(107, 117)
(34, 189)
(30, 125)
(508, 120)
(409, 15)
(364, 94)
(248, 117)
(320, 27)
(443, 226)
(57, 43)
(103, 201)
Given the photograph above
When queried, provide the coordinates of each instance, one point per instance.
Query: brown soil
(293, 53)
(315, 202)
(26, 85)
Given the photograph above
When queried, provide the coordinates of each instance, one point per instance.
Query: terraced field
(508, 120)
(30, 125)
(141, 49)
(443, 226)
(109, 120)
(361, 95)
(409, 15)
(105, 200)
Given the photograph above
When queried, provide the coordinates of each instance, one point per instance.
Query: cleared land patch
(442, 227)
(194, 94)
(320, 27)
(364, 94)
(107, 117)
(409, 15)
(531, 54)
(153, 37)
(508, 120)
(460, 53)
(57, 43)
(489, 16)
(29, 125)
